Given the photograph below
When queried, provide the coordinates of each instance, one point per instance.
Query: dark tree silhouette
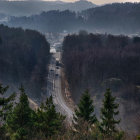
(85, 109)
(24, 56)
(108, 114)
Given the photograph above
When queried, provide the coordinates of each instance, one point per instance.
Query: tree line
(24, 56)
(99, 61)
(20, 122)
(46, 21)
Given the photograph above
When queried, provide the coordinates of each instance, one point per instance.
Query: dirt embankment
(65, 91)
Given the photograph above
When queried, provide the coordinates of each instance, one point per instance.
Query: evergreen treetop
(108, 113)
(6, 103)
(19, 123)
(85, 109)
(49, 121)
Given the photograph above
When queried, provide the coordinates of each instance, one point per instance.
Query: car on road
(57, 63)
(56, 75)
(51, 70)
(57, 67)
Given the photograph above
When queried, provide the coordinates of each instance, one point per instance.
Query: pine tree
(49, 121)
(19, 123)
(108, 113)
(6, 104)
(85, 109)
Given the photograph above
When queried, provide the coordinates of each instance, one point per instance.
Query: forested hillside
(97, 62)
(28, 8)
(118, 18)
(121, 18)
(52, 21)
(24, 56)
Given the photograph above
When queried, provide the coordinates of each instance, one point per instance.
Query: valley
(69, 70)
(54, 85)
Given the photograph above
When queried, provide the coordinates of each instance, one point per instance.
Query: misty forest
(69, 70)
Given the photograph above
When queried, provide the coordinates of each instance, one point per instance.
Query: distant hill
(27, 8)
(51, 21)
(118, 18)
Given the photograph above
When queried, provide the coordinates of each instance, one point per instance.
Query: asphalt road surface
(54, 87)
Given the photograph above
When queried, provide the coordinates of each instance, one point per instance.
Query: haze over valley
(97, 20)
(67, 64)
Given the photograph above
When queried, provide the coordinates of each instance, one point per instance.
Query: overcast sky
(103, 1)
(111, 1)
(98, 2)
